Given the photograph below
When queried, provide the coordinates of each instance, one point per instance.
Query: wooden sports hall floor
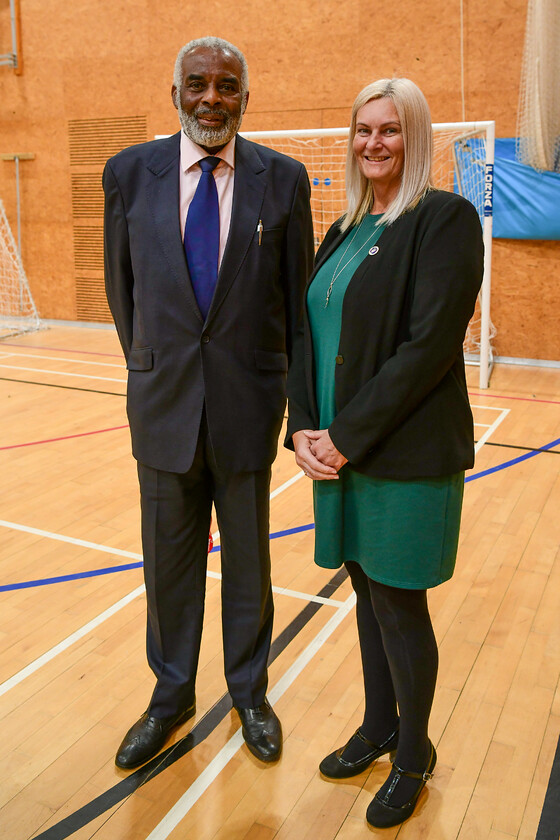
(73, 674)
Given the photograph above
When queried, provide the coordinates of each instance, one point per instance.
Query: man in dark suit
(208, 244)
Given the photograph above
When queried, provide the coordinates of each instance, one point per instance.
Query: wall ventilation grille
(92, 142)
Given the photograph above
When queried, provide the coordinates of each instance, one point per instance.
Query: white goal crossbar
(463, 163)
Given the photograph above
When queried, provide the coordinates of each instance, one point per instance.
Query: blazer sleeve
(300, 411)
(119, 277)
(447, 276)
(298, 256)
(300, 415)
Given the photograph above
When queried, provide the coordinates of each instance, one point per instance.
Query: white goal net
(538, 119)
(463, 163)
(17, 309)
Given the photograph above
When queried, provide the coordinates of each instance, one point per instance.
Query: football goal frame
(18, 313)
(463, 163)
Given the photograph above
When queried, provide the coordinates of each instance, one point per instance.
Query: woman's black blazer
(401, 394)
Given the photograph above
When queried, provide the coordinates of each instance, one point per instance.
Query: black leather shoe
(381, 814)
(336, 766)
(146, 738)
(262, 731)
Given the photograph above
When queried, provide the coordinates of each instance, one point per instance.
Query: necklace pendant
(337, 272)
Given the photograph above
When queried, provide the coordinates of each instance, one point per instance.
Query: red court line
(66, 437)
(59, 349)
(503, 397)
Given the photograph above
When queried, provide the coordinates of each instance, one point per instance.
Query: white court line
(78, 634)
(211, 772)
(273, 495)
(279, 590)
(122, 366)
(503, 413)
(286, 484)
(46, 657)
(108, 613)
(27, 529)
(68, 642)
(208, 776)
(315, 599)
(42, 660)
(486, 407)
(63, 373)
(292, 593)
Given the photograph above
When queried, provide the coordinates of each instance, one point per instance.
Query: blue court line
(76, 576)
(513, 461)
(124, 568)
(274, 536)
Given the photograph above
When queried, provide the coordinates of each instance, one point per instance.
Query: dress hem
(388, 581)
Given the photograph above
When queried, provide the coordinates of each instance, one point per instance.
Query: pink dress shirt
(223, 175)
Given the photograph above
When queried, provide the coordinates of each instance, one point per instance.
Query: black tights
(400, 662)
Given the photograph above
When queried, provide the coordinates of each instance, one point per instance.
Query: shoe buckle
(427, 776)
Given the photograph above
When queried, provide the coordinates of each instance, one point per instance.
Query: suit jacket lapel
(248, 195)
(163, 201)
(328, 250)
(337, 238)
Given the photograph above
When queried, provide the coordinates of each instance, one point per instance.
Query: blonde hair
(414, 116)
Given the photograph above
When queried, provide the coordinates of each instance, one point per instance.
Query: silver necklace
(336, 272)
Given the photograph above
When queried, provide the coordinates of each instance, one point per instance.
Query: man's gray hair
(219, 45)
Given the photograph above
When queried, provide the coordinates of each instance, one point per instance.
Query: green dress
(402, 533)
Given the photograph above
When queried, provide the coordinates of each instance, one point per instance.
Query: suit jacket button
(205, 338)
(339, 360)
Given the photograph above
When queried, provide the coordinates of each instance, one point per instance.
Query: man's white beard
(204, 135)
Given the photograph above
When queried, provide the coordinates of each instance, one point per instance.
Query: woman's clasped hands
(317, 455)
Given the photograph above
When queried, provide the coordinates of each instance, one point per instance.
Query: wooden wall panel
(91, 142)
(526, 297)
(100, 61)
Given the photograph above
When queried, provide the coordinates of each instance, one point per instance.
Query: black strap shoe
(381, 814)
(146, 738)
(336, 766)
(262, 731)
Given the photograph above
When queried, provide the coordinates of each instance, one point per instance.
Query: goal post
(463, 163)
(18, 313)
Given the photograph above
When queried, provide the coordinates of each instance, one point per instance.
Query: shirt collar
(191, 153)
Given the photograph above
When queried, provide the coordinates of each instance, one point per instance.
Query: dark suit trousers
(176, 512)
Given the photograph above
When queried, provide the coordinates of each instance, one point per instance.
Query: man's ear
(175, 96)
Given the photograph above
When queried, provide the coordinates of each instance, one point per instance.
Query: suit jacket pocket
(269, 235)
(140, 358)
(271, 360)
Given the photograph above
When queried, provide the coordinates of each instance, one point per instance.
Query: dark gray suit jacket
(235, 362)
(401, 396)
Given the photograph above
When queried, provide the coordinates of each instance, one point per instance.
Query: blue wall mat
(526, 202)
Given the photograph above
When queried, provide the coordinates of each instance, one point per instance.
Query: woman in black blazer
(379, 418)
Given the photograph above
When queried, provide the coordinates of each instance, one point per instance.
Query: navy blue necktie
(202, 236)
